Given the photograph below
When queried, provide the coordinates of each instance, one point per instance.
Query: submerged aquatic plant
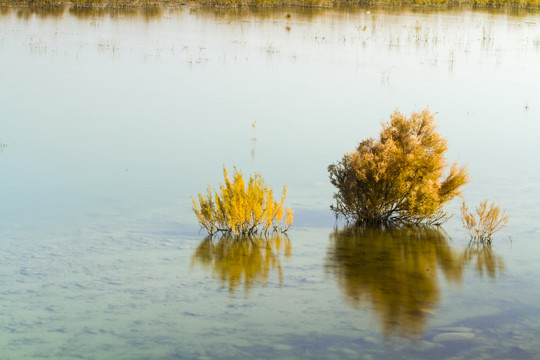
(242, 209)
(401, 178)
(490, 220)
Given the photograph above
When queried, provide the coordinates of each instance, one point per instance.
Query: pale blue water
(110, 122)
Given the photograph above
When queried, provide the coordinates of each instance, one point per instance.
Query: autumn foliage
(401, 178)
(488, 221)
(242, 209)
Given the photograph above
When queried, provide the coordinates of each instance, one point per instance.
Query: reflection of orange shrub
(240, 209)
(394, 271)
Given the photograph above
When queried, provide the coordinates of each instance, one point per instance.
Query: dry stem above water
(529, 4)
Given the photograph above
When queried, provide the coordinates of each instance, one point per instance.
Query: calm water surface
(109, 122)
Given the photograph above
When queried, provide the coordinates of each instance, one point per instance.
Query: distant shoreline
(227, 4)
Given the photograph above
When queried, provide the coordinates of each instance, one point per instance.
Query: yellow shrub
(488, 222)
(242, 209)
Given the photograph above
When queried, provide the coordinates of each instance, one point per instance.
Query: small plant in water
(242, 209)
(401, 178)
(490, 220)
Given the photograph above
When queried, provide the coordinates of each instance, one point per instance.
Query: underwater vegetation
(241, 209)
(400, 178)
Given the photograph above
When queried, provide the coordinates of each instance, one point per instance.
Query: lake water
(110, 121)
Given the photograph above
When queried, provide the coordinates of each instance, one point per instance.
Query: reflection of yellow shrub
(489, 221)
(242, 209)
(249, 259)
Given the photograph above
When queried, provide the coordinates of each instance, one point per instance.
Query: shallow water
(109, 122)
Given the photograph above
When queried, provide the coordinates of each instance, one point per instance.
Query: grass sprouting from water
(489, 220)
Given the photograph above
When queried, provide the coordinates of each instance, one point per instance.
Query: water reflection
(394, 271)
(244, 14)
(484, 258)
(148, 12)
(26, 13)
(248, 14)
(253, 140)
(249, 260)
(310, 13)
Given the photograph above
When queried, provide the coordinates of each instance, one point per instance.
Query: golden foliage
(490, 220)
(247, 259)
(241, 209)
(401, 178)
